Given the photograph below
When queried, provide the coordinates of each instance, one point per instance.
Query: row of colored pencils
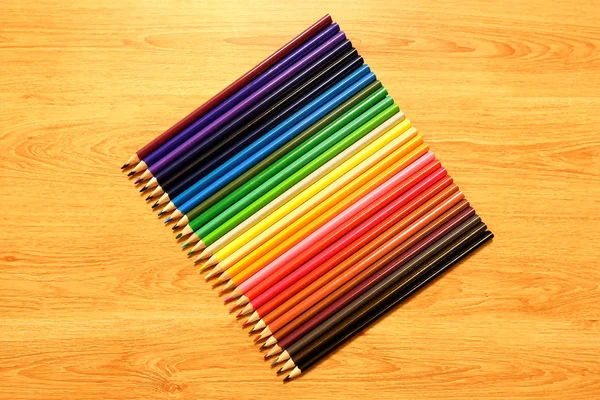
(309, 198)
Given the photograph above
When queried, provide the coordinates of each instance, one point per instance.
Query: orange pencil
(346, 270)
(431, 204)
(322, 213)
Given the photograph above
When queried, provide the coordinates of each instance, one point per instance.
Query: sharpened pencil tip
(175, 227)
(125, 166)
(183, 246)
(178, 236)
(131, 173)
(286, 379)
(167, 220)
(155, 205)
(149, 197)
(160, 213)
(138, 180)
(142, 190)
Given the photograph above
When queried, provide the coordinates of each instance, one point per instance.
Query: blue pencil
(271, 141)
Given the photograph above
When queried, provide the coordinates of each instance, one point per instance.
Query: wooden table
(98, 302)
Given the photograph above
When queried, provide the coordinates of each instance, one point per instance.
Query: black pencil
(278, 107)
(383, 298)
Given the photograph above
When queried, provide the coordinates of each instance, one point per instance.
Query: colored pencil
(335, 57)
(246, 135)
(272, 140)
(228, 91)
(237, 102)
(195, 136)
(426, 177)
(378, 307)
(335, 71)
(303, 214)
(415, 204)
(280, 316)
(429, 235)
(343, 222)
(324, 138)
(346, 135)
(332, 176)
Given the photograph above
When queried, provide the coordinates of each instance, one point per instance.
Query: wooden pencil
(433, 232)
(197, 156)
(261, 124)
(272, 140)
(228, 91)
(243, 98)
(374, 310)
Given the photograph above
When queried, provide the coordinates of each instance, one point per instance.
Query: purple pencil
(248, 101)
(199, 125)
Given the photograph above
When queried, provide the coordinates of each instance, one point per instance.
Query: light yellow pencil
(323, 188)
(304, 213)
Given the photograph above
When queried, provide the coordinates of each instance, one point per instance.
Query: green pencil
(286, 166)
(217, 227)
(284, 155)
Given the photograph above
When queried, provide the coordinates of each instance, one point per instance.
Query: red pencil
(421, 180)
(413, 204)
(228, 91)
(343, 272)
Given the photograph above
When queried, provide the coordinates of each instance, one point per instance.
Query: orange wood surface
(98, 302)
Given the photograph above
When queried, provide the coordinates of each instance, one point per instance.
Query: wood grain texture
(98, 302)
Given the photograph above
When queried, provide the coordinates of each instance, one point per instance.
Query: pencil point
(138, 180)
(178, 236)
(175, 227)
(142, 190)
(160, 213)
(167, 220)
(149, 198)
(183, 246)
(131, 173)
(155, 205)
(125, 166)
(286, 379)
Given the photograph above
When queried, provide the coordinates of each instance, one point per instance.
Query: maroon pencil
(228, 91)
(377, 272)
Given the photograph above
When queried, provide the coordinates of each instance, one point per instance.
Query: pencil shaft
(416, 281)
(340, 54)
(277, 114)
(245, 97)
(234, 87)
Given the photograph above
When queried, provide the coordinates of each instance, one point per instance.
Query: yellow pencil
(318, 214)
(300, 186)
(325, 187)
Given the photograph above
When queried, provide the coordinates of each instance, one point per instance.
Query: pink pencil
(341, 224)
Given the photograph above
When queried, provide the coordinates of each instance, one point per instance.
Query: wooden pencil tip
(185, 244)
(125, 166)
(167, 220)
(131, 173)
(149, 197)
(286, 379)
(155, 205)
(178, 236)
(175, 227)
(142, 190)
